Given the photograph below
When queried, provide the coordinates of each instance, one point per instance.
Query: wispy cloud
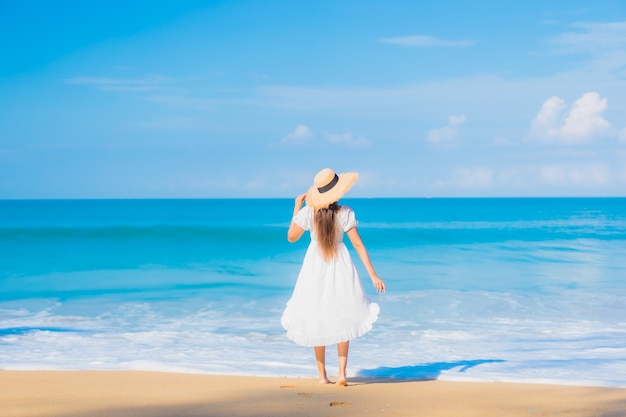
(468, 178)
(587, 175)
(300, 135)
(303, 135)
(427, 97)
(154, 88)
(555, 123)
(424, 41)
(149, 83)
(177, 123)
(183, 101)
(592, 38)
(447, 133)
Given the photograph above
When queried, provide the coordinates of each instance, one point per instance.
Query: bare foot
(325, 381)
(342, 383)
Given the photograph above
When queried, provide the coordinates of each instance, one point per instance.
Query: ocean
(488, 289)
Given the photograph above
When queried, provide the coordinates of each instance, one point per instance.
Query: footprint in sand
(336, 403)
(287, 386)
(305, 394)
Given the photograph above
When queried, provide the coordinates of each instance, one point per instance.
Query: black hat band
(330, 185)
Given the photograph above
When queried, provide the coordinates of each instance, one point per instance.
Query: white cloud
(301, 134)
(448, 133)
(548, 119)
(585, 119)
(442, 134)
(583, 122)
(423, 41)
(348, 139)
(577, 175)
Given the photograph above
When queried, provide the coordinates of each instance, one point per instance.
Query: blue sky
(203, 99)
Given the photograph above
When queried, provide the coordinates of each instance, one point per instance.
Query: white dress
(328, 304)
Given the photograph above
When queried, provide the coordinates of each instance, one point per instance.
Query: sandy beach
(156, 394)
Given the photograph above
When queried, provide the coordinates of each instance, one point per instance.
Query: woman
(328, 305)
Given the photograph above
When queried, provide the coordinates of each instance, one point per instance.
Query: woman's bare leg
(320, 357)
(342, 353)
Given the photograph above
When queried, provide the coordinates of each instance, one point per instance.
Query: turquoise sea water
(529, 290)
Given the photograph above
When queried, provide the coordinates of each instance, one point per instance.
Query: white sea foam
(478, 336)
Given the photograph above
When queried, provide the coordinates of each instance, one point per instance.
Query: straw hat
(329, 187)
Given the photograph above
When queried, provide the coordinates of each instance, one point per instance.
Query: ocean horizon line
(291, 198)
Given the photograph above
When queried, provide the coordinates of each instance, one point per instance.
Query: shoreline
(160, 394)
(356, 377)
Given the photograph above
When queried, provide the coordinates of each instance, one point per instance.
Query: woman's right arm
(295, 232)
(356, 241)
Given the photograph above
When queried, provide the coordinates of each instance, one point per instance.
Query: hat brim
(319, 200)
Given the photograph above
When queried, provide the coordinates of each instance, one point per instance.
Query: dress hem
(308, 341)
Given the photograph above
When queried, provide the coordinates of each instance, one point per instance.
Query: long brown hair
(327, 230)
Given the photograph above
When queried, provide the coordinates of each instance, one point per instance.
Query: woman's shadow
(424, 372)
